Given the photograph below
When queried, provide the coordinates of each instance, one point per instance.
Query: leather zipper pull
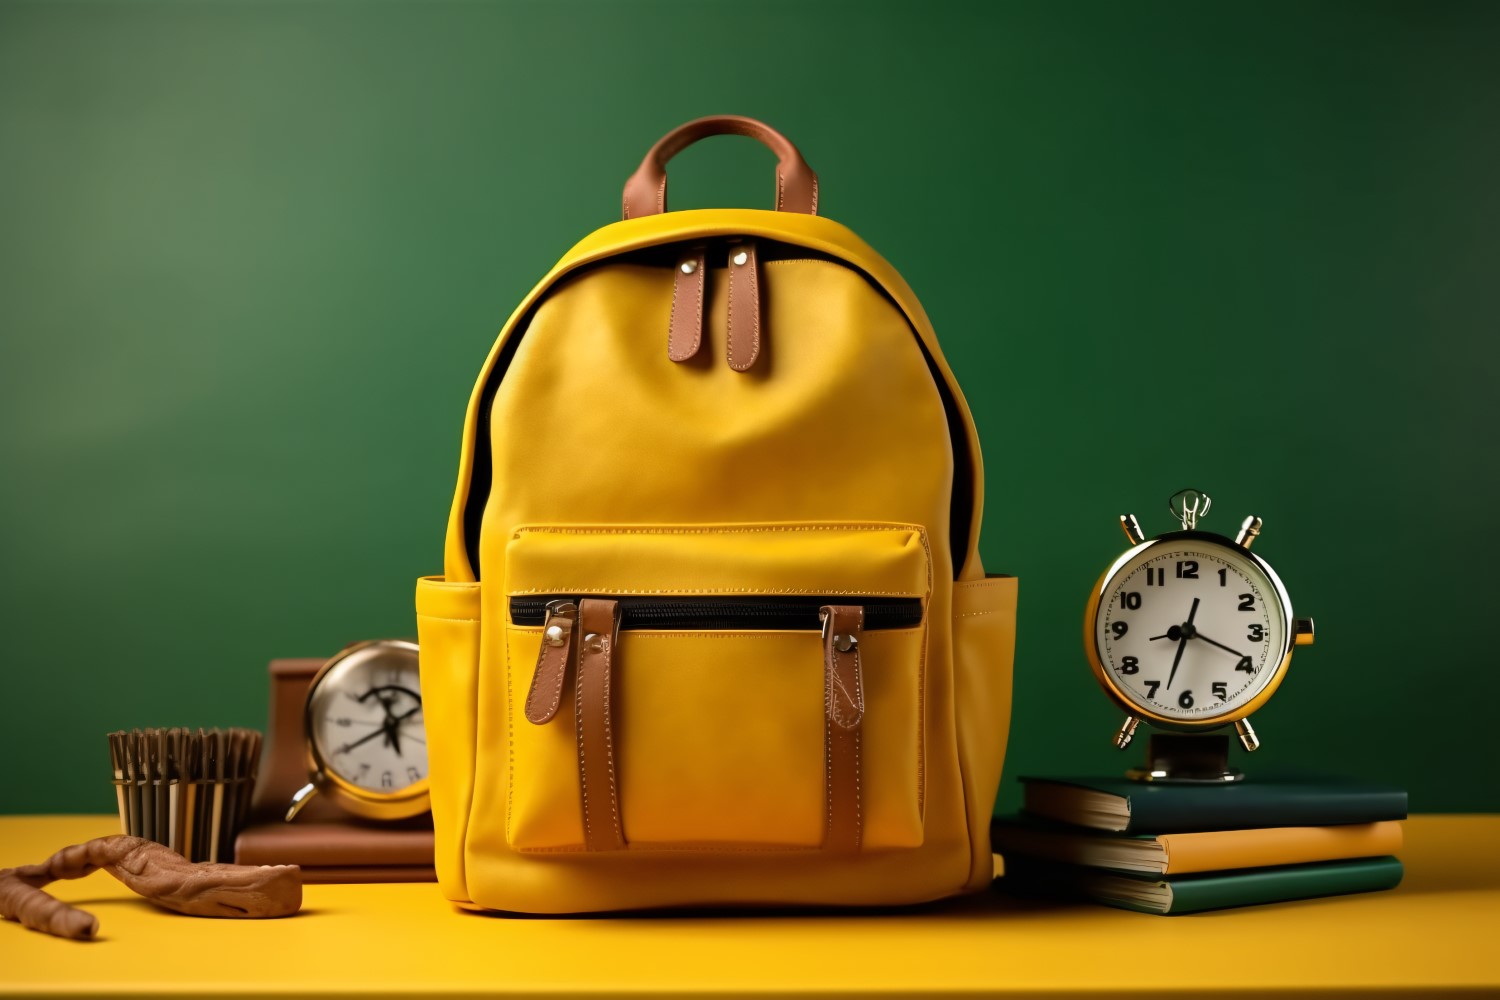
(844, 704)
(552, 662)
(844, 688)
(593, 710)
(742, 328)
(685, 332)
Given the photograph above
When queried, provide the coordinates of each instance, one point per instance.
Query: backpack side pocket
(448, 637)
(984, 647)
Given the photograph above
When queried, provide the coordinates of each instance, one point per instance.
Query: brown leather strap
(742, 327)
(844, 702)
(685, 333)
(796, 184)
(598, 625)
(552, 663)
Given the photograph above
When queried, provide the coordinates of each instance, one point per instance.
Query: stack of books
(1178, 848)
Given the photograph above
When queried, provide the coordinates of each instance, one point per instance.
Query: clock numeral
(1247, 602)
(1156, 576)
(343, 723)
(1119, 628)
(1187, 569)
(1151, 687)
(1223, 577)
(1130, 600)
(1185, 700)
(412, 774)
(1221, 691)
(387, 780)
(1130, 665)
(1257, 632)
(1246, 665)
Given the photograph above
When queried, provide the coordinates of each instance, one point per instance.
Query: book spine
(1278, 885)
(1246, 809)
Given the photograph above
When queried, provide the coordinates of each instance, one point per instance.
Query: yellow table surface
(1440, 931)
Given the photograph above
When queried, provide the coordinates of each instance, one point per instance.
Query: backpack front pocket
(716, 688)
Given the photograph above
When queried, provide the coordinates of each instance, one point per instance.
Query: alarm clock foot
(1126, 732)
(1246, 732)
(302, 797)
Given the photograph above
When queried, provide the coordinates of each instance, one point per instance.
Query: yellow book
(1181, 853)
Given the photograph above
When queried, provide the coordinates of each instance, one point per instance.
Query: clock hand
(384, 728)
(1220, 645)
(1182, 645)
(1174, 633)
(393, 728)
(363, 739)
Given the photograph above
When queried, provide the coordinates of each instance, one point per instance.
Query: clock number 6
(1185, 700)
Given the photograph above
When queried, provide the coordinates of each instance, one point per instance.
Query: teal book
(1207, 891)
(1120, 805)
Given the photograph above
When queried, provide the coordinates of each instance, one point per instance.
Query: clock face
(1191, 630)
(366, 721)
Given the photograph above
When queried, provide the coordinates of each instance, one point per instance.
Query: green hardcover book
(1121, 805)
(1208, 891)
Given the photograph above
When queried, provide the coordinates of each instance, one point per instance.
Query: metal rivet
(740, 258)
(844, 643)
(594, 642)
(554, 635)
(689, 266)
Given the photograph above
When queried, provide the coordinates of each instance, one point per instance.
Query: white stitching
(754, 279)
(688, 590)
(672, 317)
(702, 281)
(713, 529)
(583, 772)
(609, 743)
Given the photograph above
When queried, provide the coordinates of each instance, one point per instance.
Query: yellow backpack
(713, 627)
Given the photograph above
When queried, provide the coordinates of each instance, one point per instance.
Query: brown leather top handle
(796, 184)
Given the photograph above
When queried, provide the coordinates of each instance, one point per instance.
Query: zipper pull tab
(844, 701)
(844, 687)
(685, 329)
(742, 327)
(552, 662)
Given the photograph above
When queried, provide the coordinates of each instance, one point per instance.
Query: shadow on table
(987, 905)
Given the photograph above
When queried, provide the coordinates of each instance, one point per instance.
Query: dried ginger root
(159, 874)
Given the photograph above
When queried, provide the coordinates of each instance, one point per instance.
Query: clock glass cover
(365, 721)
(1191, 629)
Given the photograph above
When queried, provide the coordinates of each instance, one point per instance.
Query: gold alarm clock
(366, 746)
(1191, 631)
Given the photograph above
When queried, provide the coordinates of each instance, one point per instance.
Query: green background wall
(251, 256)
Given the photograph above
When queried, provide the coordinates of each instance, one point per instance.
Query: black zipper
(732, 612)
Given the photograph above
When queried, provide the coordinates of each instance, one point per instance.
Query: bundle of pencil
(189, 790)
